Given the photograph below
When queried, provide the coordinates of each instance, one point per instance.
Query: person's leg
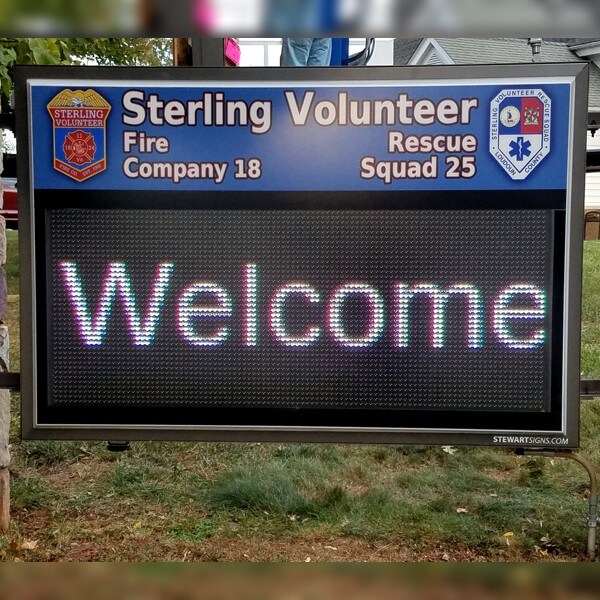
(294, 51)
(320, 53)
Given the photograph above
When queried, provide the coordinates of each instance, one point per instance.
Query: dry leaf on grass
(29, 545)
(461, 511)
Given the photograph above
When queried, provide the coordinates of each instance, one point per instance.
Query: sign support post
(592, 518)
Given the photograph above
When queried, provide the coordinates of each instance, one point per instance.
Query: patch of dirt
(98, 537)
(101, 534)
(501, 474)
(77, 473)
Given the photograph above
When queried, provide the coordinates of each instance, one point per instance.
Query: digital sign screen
(301, 308)
(333, 296)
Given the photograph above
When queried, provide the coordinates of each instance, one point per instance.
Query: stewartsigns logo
(520, 130)
(79, 123)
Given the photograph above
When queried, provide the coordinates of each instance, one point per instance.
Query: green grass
(31, 492)
(12, 265)
(165, 501)
(590, 327)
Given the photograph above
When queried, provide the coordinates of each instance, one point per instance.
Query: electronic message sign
(369, 255)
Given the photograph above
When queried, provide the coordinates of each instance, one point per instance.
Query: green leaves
(26, 51)
(45, 51)
(8, 56)
(67, 51)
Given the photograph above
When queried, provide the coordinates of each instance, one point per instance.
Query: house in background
(463, 51)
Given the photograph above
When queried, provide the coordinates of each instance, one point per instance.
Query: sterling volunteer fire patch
(79, 124)
(520, 130)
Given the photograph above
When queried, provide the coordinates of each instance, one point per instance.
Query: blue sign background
(308, 158)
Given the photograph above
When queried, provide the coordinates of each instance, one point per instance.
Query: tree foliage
(69, 51)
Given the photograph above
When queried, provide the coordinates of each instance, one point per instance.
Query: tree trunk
(4, 394)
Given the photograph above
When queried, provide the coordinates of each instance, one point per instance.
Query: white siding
(592, 180)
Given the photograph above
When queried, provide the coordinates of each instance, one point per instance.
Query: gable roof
(404, 48)
(463, 51)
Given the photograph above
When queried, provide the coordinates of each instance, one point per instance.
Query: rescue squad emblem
(520, 130)
(79, 124)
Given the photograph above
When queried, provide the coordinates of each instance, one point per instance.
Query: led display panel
(308, 255)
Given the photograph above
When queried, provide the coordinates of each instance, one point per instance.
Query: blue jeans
(305, 52)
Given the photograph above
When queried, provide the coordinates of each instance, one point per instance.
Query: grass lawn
(245, 502)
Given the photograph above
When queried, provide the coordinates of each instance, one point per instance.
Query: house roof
(509, 50)
(404, 48)
(503, 50)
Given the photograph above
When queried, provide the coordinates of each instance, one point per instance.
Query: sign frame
(567, 436)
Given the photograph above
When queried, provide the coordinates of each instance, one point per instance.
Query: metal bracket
(117, 446)
(592, 518)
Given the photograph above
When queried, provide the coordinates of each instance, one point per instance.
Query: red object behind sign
(10, 208)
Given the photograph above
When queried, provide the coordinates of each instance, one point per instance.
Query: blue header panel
(363, 136)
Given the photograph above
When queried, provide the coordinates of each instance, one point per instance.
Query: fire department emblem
(79, 123)
(520, 130)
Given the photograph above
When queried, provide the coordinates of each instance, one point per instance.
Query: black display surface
(361, 308)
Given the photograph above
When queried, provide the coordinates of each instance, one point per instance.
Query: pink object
(232, 51)
(204, 15)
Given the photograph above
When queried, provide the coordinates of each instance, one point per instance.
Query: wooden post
(4, 394)
(182, 52)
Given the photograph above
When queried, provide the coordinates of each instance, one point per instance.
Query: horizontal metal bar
(10, 381)
(589, 388)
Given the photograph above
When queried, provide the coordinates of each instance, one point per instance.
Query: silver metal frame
(574, 73)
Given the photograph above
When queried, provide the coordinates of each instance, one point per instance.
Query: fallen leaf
(292, 517)
(446, 556)
(330, 547)
(29, 545)
(461, 511)
(138, 525)
(449, 449)
(307, 559)
(508, 534)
